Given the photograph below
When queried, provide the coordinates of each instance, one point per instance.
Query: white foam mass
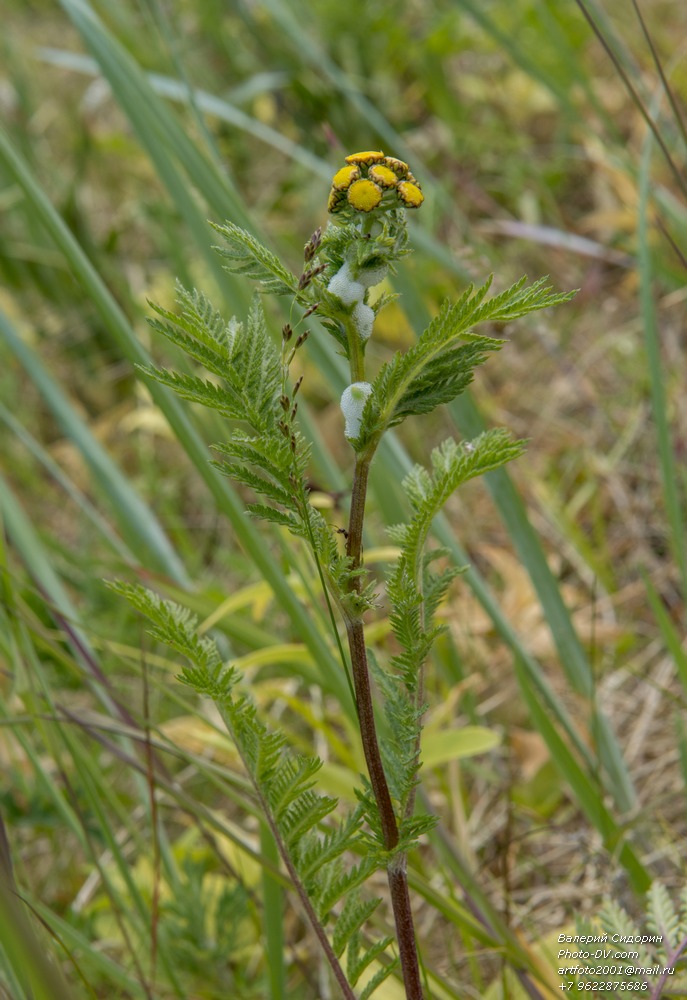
(344, 287)
(353, 402)
(371, 276)
(363, 316)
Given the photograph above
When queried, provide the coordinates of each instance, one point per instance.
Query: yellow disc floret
(409, 193)
(383, 176)
(365, 158)
(343, 178)
(364, 195)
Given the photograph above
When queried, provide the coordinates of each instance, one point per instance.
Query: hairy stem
(356, 352)
(368, 732)
(396, 871)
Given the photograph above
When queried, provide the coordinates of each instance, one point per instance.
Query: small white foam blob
(353, 402)
(371, 276)
(344, 287)
(363, 316)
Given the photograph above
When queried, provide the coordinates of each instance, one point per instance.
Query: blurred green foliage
(528, 144)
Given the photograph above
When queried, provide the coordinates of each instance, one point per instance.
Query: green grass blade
(585, 790)
(273, 904)
(514, 516)
(161, 135)
(91, 959)
(79, 498)
(35, 557)
(166, 143)
(671, 636)
(25, 954)
(137, 522)
(570, 651)
(670, 476)
(207, 103)
(506, 42)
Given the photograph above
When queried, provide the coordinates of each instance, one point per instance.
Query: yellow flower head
(365, 158)
(370, 180)
(383, 176)
(364, 195)
(398, 166)
(343, 178)
(410, 194)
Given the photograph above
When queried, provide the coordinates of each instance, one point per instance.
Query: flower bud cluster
(370, 180)
(364, 240)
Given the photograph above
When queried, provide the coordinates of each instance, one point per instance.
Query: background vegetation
(132, 838)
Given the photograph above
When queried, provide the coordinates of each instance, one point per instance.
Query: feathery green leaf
(249, 257)
(440, 365)
(379, 977)
(452, 465)
(357, 959)
(354, 914)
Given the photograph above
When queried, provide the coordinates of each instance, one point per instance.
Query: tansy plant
(329, 863)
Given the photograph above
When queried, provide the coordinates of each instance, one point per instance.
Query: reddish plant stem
(405, 928)
(396, 870)
(368, 732)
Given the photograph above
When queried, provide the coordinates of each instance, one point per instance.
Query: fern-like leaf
(203, 321)
(400, 747)
(411, 622)
(303, 814)
(314, 852)
(245, 358)
(213, 357)
(336, 883)
(224, 398)
(273, 491)
(276, 516)
(249, 257)
(355, 913)
(441, 379)
(296, 775)
(682, 926)
(175, 626)
(615, 920)
(436, 585)
(269, 454)
(283, 783)
(452, 465)
(379, 977)
(662, 917)
(202, 324)
(520, 300)
(261, 370)
(358, 959)
(440, 365)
